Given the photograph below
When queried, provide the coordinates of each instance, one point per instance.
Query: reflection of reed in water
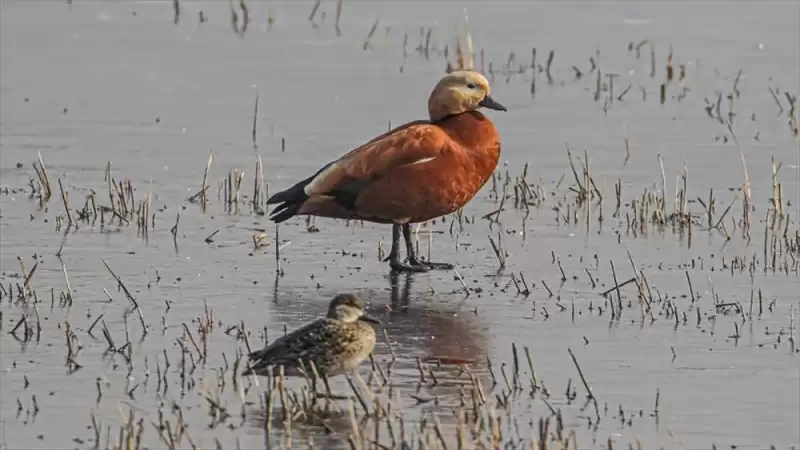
(328, 432)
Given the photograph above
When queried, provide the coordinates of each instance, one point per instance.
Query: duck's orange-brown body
(417, 172)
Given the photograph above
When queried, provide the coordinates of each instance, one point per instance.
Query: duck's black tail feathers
(285, 211)
(289, 201)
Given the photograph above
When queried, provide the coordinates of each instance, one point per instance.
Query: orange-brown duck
(419, 171)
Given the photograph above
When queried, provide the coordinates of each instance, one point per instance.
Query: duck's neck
(473, 130)
(478, 137)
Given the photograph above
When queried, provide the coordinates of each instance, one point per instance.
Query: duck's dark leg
(394, 255)
(413, 258)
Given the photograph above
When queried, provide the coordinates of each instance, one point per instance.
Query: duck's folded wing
(347, 176)
(334, 190)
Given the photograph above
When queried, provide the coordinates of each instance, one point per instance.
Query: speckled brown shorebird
(336, 343)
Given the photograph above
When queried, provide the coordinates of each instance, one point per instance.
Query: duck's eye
(471, 86)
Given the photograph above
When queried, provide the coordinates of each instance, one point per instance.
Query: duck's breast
(478, 138)
(458, 163)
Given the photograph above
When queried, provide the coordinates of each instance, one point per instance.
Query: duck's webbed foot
(394, 260)
(400, 266)
(414, 261)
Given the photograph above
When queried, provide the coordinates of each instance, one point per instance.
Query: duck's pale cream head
(460, 92)
(348, 308)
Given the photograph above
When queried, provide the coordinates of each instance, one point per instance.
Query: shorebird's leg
(413, 258)
(327, 386)
(394, 255)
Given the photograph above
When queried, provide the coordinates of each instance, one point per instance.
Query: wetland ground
(667, 264)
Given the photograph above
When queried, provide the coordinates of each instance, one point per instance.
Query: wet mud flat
(628, 278)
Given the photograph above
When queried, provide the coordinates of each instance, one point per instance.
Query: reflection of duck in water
(439, 334)
(449, 341)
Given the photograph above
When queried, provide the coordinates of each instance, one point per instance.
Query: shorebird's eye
(471, 86)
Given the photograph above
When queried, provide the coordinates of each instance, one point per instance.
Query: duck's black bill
(489, 102)
(366, 318)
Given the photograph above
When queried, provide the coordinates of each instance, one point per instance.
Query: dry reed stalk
(277, 250)
(625, 91)
(663, 187)
(747, 199)
(27, 289)
(670, 68)
(130, 297)
(234, 17)
(314, 13)
(498, 249)
(468, 38)
(652, 60)
(66, 204)
(550, 57)
(627, 143)
(777, 203)
(339, 5)
(372, 30)
(258, 186)
(270, 18)
(176, 11)
(611, 77)
(586, 385)
(465, 58)
(44, 180)
(684, 217)
(202, 194)
(255, 121)
(598, 85)
(245, 16)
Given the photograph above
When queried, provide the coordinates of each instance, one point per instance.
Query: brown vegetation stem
(129, 296)
(585, 384)
(66, 203)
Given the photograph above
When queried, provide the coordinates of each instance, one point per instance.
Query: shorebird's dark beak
(489, 102)
(366, 318)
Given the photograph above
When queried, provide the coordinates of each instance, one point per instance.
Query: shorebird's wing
(315, 342)
(284, 344)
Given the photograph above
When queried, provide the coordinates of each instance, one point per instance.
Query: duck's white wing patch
(311, 188)
(422, 161)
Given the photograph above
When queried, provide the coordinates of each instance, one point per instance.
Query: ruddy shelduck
(416, 172)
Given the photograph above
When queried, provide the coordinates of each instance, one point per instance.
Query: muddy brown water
(96, 82)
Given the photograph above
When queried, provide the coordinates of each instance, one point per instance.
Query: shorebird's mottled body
(336, 344)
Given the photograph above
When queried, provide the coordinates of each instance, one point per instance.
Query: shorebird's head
(458, 92)
(348, 308)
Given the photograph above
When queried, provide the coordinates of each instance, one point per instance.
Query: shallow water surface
(704, 353)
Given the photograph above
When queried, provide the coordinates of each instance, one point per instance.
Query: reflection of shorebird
(416, 172)
(335, 344)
